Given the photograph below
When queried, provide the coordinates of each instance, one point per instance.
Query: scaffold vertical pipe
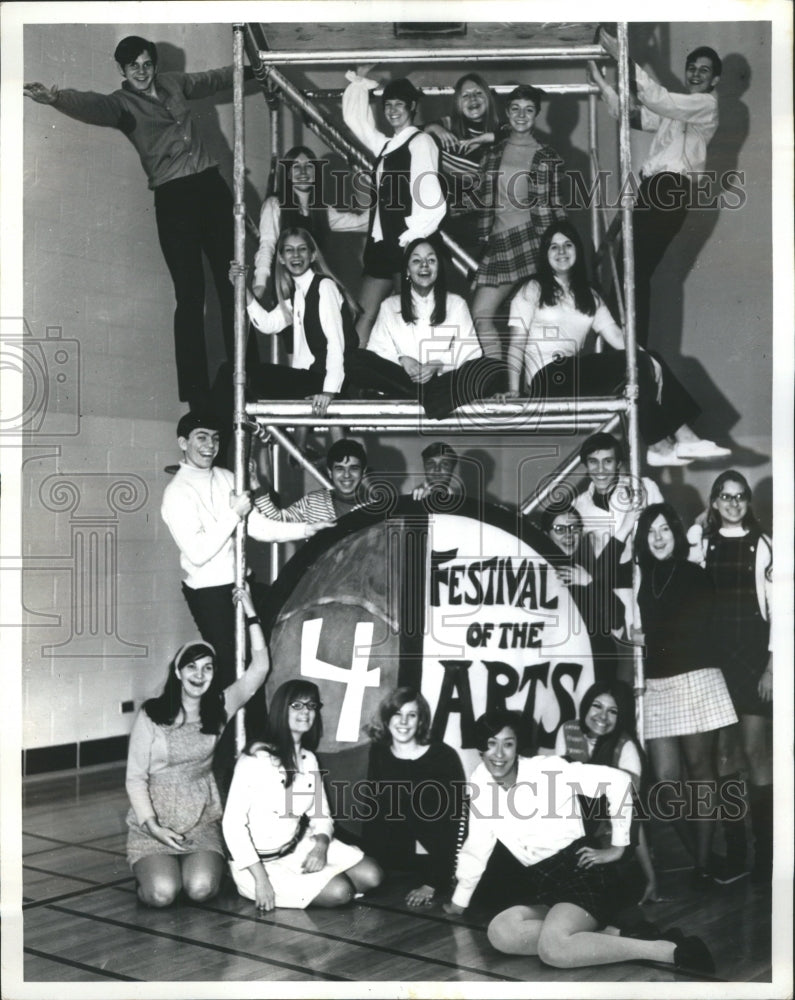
(276, 151)
(629, 329)
(239, 376)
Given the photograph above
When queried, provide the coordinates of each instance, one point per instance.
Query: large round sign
(465, 606)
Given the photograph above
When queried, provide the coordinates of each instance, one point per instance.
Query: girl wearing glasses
(687, 701)
(738, 558)
(277, 823)
(591, 582)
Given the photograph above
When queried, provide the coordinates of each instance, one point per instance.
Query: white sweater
(197, 512)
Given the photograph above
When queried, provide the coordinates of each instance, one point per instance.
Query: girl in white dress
(277, 823)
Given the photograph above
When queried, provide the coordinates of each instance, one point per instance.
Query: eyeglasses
(561, 529)
(733, 497)
(313, 706)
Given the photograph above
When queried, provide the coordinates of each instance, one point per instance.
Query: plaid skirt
(602, 891)
(509, 256)
(695, 702)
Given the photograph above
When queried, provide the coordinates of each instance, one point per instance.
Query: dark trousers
(605, 375)
(194, 217)
(440, 395)
(265, 381)
(658, 216)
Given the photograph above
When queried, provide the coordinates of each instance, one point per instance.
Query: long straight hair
(285, 286)
(166, 707)
(439, 314)
(551, 290)
(648, 516)
(713, 525)
(281, 187)
(278, 740)
(605, 747)
(460, 123)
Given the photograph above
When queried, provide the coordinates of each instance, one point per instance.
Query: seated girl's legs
(337, 892)
(700, 753)
(159, 879)
(570, 938)
(368, 370)
(479, 378)
(201, 874)
(371, 295)
(367, 874)
(516, 930)
(485, 309)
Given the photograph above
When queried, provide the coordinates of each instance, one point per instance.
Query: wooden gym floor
(83, 923)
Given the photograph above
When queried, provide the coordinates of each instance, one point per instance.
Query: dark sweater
(676, 607)
(418, 800)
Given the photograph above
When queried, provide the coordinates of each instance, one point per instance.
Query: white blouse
(452, 343)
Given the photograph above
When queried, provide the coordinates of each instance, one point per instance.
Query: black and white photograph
(396, 436)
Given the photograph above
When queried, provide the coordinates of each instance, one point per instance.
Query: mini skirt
(695, 702)
(510, 256)
(292, 887)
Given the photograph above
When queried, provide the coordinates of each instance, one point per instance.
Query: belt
(290, 846)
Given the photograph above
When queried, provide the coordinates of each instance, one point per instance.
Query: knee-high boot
(733, 866)
(761, 801)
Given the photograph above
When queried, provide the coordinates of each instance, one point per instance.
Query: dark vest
(393, 202)
(313, 331)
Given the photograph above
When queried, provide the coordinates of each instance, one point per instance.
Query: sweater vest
(393, 202)
(313, 331)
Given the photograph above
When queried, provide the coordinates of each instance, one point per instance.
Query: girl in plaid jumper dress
(519, 195)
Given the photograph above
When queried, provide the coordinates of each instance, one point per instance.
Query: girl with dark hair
(605, 733)
(407, 200)
(423, 342)
(418, 789)
(738, 558)
(297, 202)
(687, 701)
(463, 135)
(527, 842)
(520, 194)
(277, 824)
(174, 824)
(551, 318)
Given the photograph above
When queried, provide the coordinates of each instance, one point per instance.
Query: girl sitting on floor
(277, 823)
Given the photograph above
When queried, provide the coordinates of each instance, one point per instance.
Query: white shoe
(663, 458)
(701, 449)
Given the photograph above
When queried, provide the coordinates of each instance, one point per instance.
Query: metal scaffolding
(516, 417)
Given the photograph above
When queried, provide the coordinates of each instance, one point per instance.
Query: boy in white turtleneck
(202, 511)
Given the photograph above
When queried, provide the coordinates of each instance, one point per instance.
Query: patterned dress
(741, 632)
(184, 796)
(513, 254)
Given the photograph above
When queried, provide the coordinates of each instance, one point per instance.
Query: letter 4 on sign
(356, 679)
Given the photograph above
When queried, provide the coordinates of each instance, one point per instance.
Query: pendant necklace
(658, 593)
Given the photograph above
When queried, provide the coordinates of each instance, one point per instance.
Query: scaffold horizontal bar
(523, 416)
(358, 56)
(429, 90)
